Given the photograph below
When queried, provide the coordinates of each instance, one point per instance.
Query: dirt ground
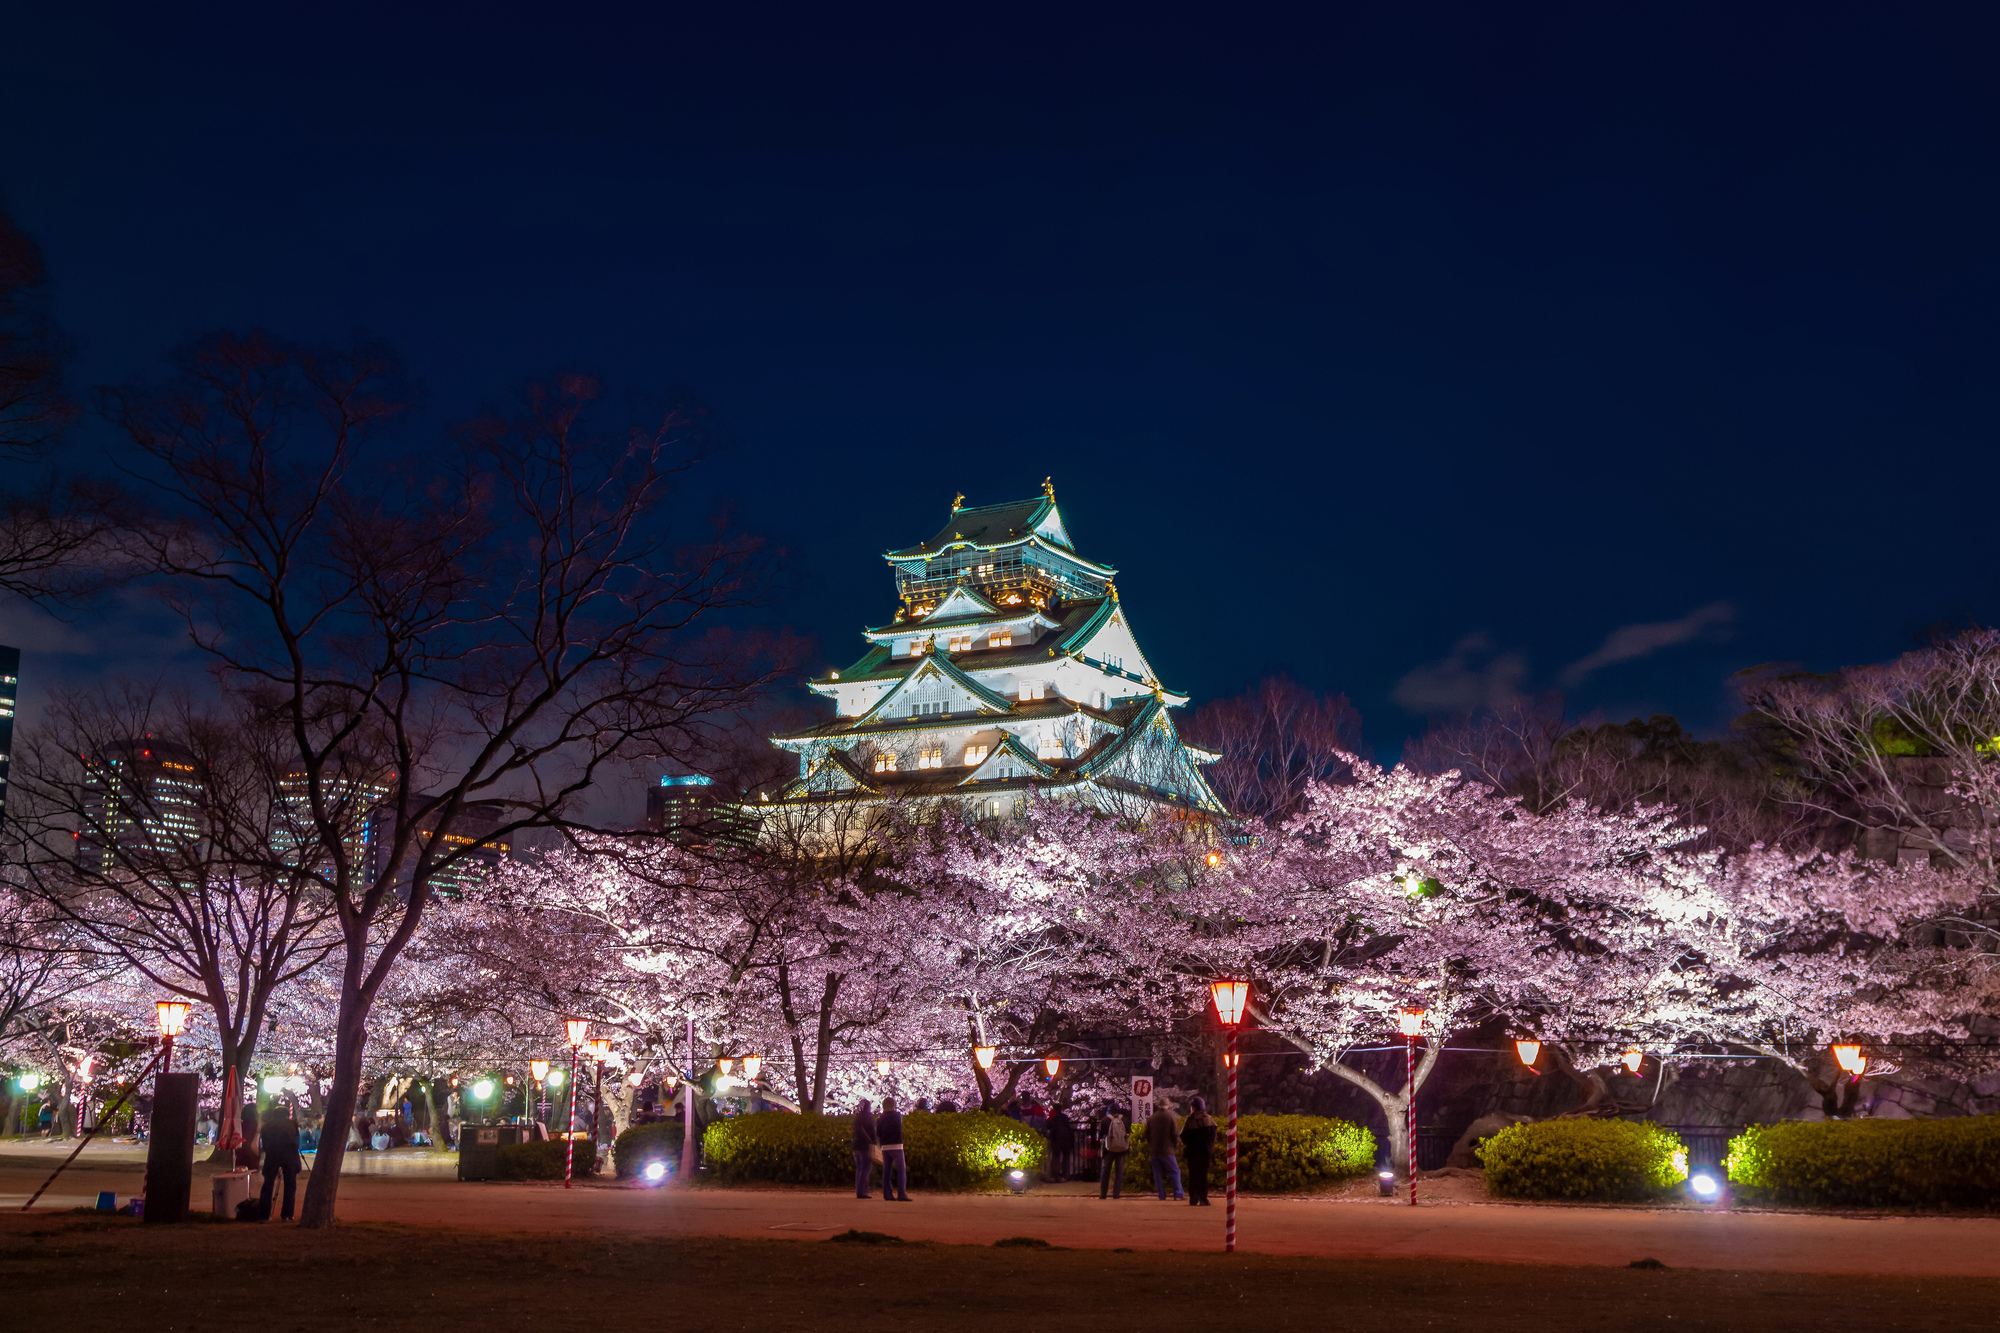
(91, 1272)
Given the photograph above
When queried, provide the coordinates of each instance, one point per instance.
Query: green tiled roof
(985, 525)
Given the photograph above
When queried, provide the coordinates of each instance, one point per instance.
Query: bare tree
(501, 631)
(1275, 741)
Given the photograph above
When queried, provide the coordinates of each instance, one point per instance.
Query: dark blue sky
(1420, 351)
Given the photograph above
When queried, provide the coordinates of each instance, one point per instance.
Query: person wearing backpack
(1113, 1144)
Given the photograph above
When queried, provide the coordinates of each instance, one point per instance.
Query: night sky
(1423, 352)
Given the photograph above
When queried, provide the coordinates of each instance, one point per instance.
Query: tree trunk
(323, 1183)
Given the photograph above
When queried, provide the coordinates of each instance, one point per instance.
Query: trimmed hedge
(544, 1160)
(640, 1144)
(1950, 1163)
(1598, 1160)
(1275, 1154)
(941, 1151)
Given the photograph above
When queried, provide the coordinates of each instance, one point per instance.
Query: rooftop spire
(1049, 487)
(958, 502)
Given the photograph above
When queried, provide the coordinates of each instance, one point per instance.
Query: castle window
(930, 758)
(926, 709)
(1033, 689)
(976, 754)
(1050, 748)
(1000, 638)
(885, 761)
(961, 643)
(984, 572)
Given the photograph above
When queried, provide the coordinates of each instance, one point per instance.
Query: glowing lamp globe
(482, 1090)
(273, 1085)
(556, 1077)
(1529, 1051)
(1850, 1059)
(540, 1069)
(29, 1082)
(1231, 998)
(1053, 1064)
(1704, 1186)
(985, 1054)
(656, 1172)
(753, 1065)
(881, 1068)
(1215, 858)
(1632, 1059)
(1411, 1022)
(726, 1064)
(578, 1029)
(172, 1016)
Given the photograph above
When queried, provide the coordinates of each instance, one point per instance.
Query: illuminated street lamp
(881, 1069)
(600, 1050)
(1529, 1051)
(1851, 1060)
(579, 1032)
(1411, 1021)
(1052, 1064)
(1633, 1059)
(172, 1016)
(985, 1054)
(753, 1065)
(726, 1064)
(540, 1070)
(1231, 999)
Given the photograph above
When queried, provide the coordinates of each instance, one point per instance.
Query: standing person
(280, 1140)
(1161, 1135)
(867, 1147)
(246, 1150)
(1062, 1146)
(1112, 1145)
(889, 1135)
(1198, 1140)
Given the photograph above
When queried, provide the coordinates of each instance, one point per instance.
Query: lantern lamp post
(1851, 1060)
(984, 1055)
(881, 1069)
(172, 1016)
(1231, 999)
(540, 1070)
(600, 1050)
(1052, 1065)
(753, 1065)
(1529, 1051)
(1411, 1021)
(579, 1031)
(1634, 1059)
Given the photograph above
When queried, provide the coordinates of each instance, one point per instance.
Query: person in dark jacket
(889, 1134)
(1198, 1140)
(1113, 1143)
(1062, 1146)
(280, 1140)
(1161, 1133)
(866, 1145)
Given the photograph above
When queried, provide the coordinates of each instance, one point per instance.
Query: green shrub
(1952, 1163)
(1275, 1154)
(1601, 1160)
(640, 1144)
(941, 1151)
(544, 1160)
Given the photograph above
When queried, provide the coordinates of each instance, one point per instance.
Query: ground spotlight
(1017, 1181)
(655, 1172)
(1386, 1182)
(1704, 1186)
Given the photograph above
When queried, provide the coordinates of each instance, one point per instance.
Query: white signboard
(1142, 1100)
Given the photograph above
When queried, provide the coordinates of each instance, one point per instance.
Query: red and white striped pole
(1229, 1211)
(578, 1030)
(1410, 1116)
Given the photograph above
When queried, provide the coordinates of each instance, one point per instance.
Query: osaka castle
(1009, 665)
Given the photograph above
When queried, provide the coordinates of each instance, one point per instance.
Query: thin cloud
(1634, 641)
(1473, 676)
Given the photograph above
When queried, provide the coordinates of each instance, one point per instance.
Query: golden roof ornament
(1049, 487)
(958, 502)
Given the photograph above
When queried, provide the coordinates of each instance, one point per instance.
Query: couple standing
(1161, 1131)
(878, 1141)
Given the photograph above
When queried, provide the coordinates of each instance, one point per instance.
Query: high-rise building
(351, 800)
(473, 824)
(10, 688)
(691, 809)
(1010, 664)
(141, 806)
